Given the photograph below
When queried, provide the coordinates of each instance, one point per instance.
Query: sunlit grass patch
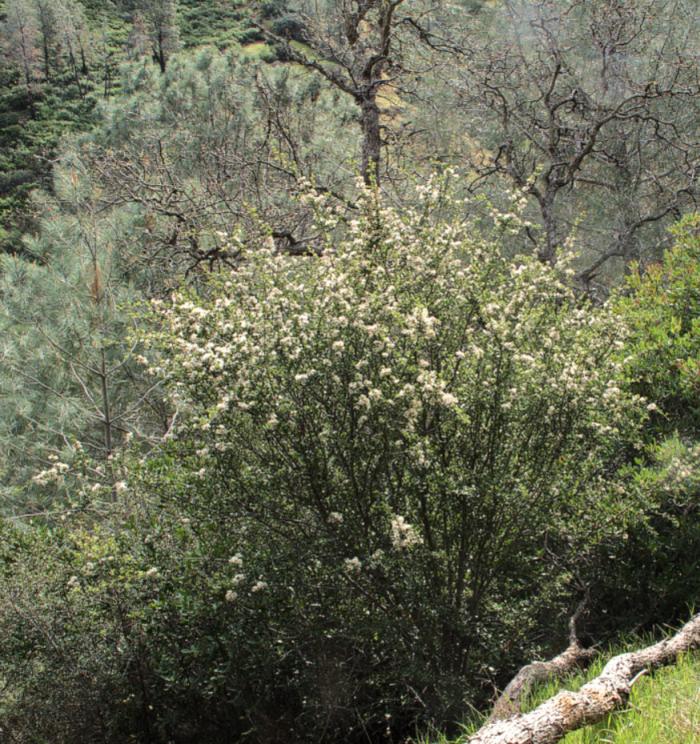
(257, 50)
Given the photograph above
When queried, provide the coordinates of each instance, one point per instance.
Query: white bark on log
(568, 711)
(510, 700)
(508, 704)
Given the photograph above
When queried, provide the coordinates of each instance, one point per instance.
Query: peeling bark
(568, 711)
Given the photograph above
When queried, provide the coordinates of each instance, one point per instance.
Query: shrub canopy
(389, 457)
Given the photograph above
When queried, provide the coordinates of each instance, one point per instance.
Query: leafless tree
(594, 107)
(359, 47)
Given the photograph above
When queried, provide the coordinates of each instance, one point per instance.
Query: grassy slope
(664, 708)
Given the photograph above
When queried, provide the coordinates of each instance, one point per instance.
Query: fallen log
(567, 711)
(575, 656)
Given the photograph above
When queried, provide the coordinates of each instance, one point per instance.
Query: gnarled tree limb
(567, 711)
(575, 655)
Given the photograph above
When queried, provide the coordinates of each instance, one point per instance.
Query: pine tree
(75, 39)
(161, 20)
(48, 20)
(20, 37)
(70, 379)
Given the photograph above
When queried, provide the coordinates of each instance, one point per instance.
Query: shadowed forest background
(348, 349)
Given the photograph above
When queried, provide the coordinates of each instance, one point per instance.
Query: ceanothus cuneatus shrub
(388, 464)
(410, 437)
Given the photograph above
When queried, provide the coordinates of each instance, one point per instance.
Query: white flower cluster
(409, 339)
(54, 474)
(403, 535)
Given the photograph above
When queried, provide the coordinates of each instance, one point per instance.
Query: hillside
(349, 362)
(33, 122)
(663, 706)
(664, 709)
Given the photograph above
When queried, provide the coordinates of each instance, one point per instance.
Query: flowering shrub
(410, 432)
(388, 462)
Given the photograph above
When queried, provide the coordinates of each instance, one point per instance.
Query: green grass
(664, 707)
(258, 50)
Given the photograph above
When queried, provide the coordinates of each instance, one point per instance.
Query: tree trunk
(47, 66)
(567, 711)
(84, 67)
(548, 253)
(160, 51)
(371, 138)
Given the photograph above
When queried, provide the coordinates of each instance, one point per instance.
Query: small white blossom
(335, 518)
(403, 535)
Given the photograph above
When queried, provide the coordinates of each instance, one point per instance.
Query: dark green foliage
(214, 22)
(32, 127)
(282, 22)
(656, 575)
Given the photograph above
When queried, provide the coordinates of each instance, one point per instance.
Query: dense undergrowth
(345, 532)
